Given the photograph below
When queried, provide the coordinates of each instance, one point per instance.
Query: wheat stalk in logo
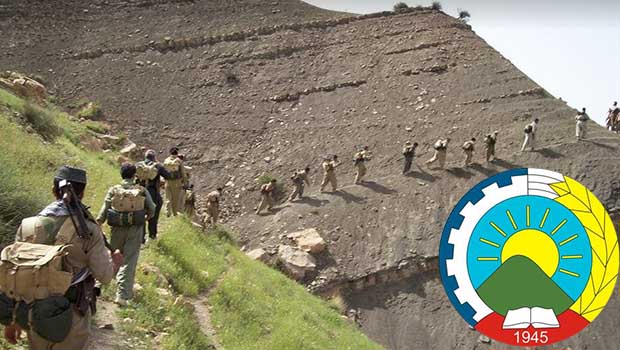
(602, 235)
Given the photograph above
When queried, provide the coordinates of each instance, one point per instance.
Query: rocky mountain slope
(248, 88)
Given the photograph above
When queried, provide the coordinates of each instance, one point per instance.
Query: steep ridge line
(168, 44)
(537, 91)
(325, 88)
(421, 46)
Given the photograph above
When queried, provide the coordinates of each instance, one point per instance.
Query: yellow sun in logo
(535, 245)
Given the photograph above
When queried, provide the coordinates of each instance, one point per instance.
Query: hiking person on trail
(329, 173)
(468, 149)
(126, 208)
(68, 231)
(175, 186)
(299, 178)
(580, 128)
(359, 161)
(148, 174)
(612, 118)
(489, 141)
(441, 150)
(530, 135)
(266, 192)
(213, 206)
(409, 154)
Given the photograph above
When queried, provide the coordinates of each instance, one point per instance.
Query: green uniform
(127, 239)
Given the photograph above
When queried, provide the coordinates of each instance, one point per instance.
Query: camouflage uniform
(329, 175)
(266, 197)
(175, 194)
(440, 154)
(530, 137)
(468, 149)
(153, 187)
(490, 140)
(127, 239)
(580, 128)
(213, 207)
(360, 159)
(54, 218)
(299, 178)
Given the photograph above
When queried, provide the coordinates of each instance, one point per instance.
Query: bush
(231, 77)
(436, 6)
(92, 111)
(41, 121)
(400, 6)
(464, 15)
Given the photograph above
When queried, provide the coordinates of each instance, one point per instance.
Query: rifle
(78, 212)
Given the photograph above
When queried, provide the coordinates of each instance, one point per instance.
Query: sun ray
(544, 219)
(527, 215)
(487, 259)
(498, 229)
(568, 239)
(557, 228)
(512, 220)
(570, 273)
(493, 244)
(572, 256)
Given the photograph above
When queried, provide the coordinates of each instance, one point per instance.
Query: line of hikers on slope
(48, 276)
(300, 178)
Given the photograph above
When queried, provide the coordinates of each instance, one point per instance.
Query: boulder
(131, 151)
(295, 261)
(308, 240)
(258, 254)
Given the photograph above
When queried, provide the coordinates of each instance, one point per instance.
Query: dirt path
(105, 335)
(203, 314)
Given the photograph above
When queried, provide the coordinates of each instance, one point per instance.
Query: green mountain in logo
(518, 283)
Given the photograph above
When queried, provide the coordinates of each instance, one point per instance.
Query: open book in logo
(529, 257)
(536, 317)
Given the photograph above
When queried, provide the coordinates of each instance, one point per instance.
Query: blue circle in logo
(531, 214)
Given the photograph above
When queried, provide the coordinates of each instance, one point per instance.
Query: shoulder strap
(66, 233)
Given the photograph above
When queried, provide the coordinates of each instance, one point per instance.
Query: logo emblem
(529, 257)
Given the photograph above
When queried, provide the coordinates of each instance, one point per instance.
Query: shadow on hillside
(378, 187)
(273, 211)
(486, 171)
(505, 164)
(549, 153)
(422, 175)
(600, 144)
(460, 172)
(313, 202)
(348, 197)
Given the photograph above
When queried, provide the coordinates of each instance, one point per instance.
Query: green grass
(92, 110)
(252, 306)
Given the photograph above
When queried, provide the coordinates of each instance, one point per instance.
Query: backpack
(125, 200)
(467, 146)
(439, 145)
(265, 188)
(34, 281)
(173, 165)
(528, 129)
(146, 172)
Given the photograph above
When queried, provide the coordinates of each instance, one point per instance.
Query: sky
(569, 47)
